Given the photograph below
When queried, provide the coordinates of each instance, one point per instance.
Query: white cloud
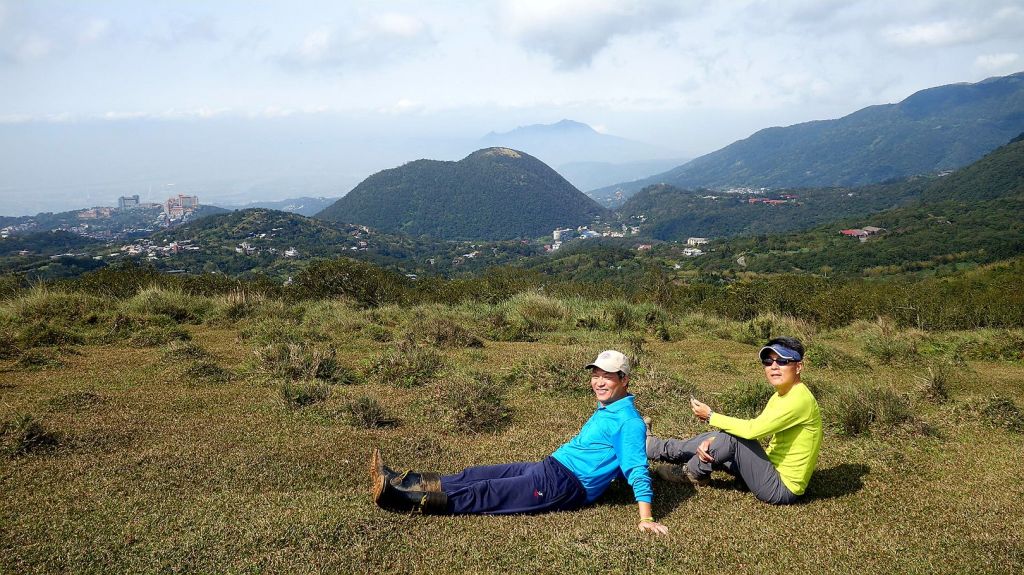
(403, 106)
(573, 32)
(93, 31)
(366, 43)
(932, 34)
(996, 62)
(33, 48)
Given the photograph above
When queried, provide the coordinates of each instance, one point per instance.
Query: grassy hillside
(162, 432)
(492, 194)
(940, 128)
(971, 216)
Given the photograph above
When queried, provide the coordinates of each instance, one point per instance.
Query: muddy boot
(407, 480)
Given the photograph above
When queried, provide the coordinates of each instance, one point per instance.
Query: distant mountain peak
(498, 151)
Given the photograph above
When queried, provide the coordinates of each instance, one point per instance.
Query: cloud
(573, 32)
(374, 40)
(403, 106)
(32, 48)
(931, 34)
(93, 31)
(996, 62)
(181, 29)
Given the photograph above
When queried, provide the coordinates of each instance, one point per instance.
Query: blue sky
(690, 76)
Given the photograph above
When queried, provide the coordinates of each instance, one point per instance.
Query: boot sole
(377, 479)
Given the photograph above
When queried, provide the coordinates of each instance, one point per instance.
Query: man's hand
(700, 409)
(702, 451)
(653, 527)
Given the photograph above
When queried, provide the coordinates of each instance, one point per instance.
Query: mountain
(494, 193)
(584, 156)
(970, 216)
(303, 206)
(933, 130)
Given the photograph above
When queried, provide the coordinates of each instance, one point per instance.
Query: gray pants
(743, 458)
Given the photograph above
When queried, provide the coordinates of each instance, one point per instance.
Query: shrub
(8, 345)
(367, 412)
(42, 334)
(934, 387)
(207, 370)
(183, 350)
(237, 304)
(27, 434)
(445, 332)
(559, 373)
(42, 304)
(33, 359)
(824, 356)
(297, 361)
(180, 307)
(407, 365)
(765, 326)
(620, 315)
(1002, 412)
(473, 403)
(884, 341)
(154, 336)
(856, 410)
(302, 393)
(745, 399)
(538, 312)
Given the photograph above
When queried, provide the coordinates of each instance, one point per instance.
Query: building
(177, 208)
(128, 202)
(696, 241)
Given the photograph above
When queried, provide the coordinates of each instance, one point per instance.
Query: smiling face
(782, 377)
(608, 386)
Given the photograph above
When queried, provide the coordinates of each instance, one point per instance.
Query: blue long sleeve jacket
(613, 440)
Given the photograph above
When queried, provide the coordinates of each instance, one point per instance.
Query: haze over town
(236, 101)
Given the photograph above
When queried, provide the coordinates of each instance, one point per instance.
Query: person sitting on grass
(611, 442)
(777, 475)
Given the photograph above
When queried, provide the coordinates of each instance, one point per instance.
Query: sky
(688, 76)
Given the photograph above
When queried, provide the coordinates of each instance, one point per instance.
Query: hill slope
(972, 215)
(492, 194)
(932, 130)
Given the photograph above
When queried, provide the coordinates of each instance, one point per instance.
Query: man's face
(607, 385)
(782, 376)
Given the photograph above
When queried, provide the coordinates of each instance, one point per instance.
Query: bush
(43, 334)
(27, 434)
(765, 326)
(884, 341)
(180, 307)
(824, 356)
(559, 373)
(934, 387)
(407, 365)
(297, 361)
(367, 412)
(856, 411)
(183, 350)
(539, 313)
(207, 370)
(48, 305)
(34, 359)
(473, 403)
(1003, 413)
(444, 332)
(303, 393)
(154, 336)
(744, 400)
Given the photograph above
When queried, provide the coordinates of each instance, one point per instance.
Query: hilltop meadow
(196, 424)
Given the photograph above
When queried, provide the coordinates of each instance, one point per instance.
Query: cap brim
(783, 352)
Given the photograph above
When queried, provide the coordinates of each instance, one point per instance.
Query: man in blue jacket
(611, 443)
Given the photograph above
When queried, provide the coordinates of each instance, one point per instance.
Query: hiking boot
(406, 480)
(405, 491)
(680, 474)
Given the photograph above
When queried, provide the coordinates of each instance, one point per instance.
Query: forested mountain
(937, 129)
(492, 194)
(304, 206)
(972, 215)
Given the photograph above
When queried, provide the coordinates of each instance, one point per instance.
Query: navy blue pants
(514, 488)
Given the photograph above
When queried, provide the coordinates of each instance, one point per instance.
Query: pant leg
(746, 459)
(680, 451)
(482, 472)
(545, 486)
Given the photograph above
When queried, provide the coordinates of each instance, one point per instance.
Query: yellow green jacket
(794, 422)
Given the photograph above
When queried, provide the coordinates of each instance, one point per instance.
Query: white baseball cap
(611, 361)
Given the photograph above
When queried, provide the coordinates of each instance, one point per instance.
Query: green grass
(154, 473)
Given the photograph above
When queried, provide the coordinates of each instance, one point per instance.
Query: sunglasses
(783, 362)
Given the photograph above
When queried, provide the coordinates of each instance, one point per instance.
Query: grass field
(245, 447)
